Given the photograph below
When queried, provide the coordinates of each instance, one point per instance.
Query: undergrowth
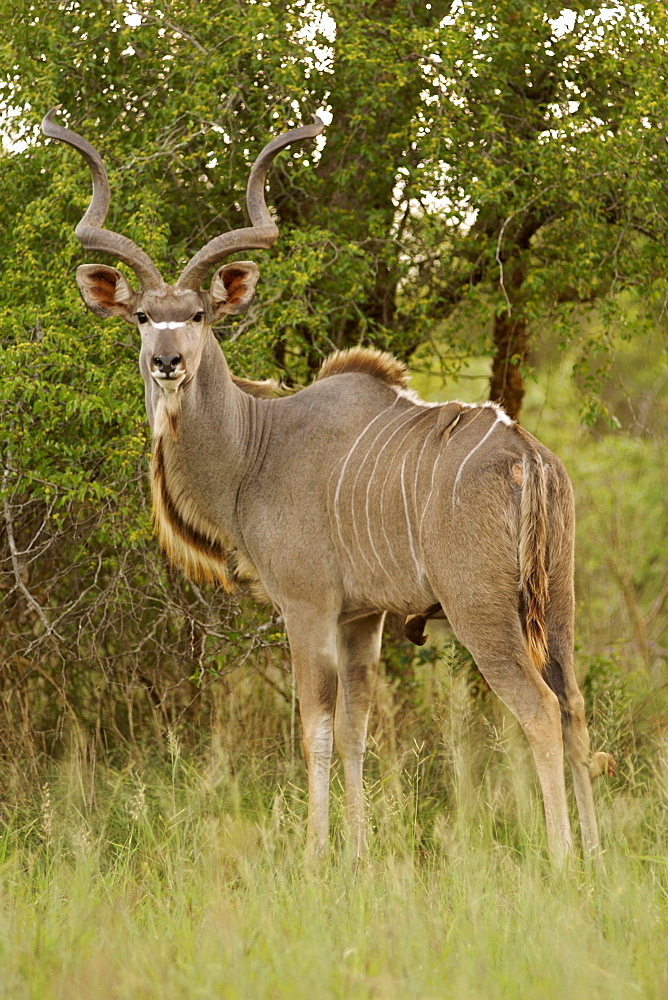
(176, 870)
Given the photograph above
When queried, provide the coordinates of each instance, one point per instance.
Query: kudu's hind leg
(498, 647)
(561, 678)
(312, 635)
(359, 650)
(559, 672)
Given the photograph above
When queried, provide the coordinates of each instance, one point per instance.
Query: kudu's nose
(166, 363)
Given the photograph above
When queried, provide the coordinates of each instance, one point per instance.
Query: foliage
(485, 164)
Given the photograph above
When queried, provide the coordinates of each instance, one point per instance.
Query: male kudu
(345, 500)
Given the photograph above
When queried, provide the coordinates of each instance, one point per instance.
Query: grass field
(183, 877)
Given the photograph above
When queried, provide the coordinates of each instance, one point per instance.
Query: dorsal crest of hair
(367, 361)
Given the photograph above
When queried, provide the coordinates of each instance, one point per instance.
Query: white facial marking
(166, 325)
(168, 385)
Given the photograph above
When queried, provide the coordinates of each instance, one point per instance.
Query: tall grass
(179, 872)
(142, 856)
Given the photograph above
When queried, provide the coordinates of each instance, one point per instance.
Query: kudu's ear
(233, 287)
(106, 291)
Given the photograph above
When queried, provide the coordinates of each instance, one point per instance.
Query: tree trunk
(511, 343)
(511, 340)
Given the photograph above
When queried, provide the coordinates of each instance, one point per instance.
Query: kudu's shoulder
(351, 388)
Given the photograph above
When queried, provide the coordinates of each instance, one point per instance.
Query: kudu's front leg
(359, 644)
(312, 635)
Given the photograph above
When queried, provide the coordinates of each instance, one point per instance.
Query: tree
(553, 129)
(498, 166)
(508, 156)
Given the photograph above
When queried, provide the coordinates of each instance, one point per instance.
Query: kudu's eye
(198, 317)
(141, 317)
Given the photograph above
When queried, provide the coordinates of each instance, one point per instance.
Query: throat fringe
(186, 537)
(168, 415)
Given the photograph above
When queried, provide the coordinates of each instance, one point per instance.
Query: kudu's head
(172, 319)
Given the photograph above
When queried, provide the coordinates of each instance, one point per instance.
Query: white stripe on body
(352, 492)
(417, 471)
(408, 520)
(433, 481)
(337, 492)
(501, 418)
(382, 494)
(368, 494)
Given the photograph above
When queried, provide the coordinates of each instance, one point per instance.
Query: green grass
(176, 869)
(176, 877)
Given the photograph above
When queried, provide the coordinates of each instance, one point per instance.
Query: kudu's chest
(191, 529)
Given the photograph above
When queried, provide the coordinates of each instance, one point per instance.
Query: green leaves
(484, 162)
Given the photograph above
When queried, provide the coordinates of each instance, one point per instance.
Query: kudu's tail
(533, 581)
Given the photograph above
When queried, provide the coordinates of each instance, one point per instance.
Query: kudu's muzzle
(168, 371)
(166, 364)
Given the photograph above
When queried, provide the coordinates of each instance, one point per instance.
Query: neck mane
(187, 537)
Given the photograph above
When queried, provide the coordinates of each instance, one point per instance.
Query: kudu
(347, 499)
